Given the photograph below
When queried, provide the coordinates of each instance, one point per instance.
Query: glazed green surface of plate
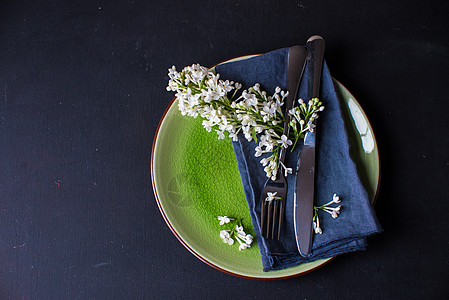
(196, 179)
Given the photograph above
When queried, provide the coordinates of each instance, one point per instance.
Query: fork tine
(275, 213)
(281, 216)
(263, 213)
(271, 212)
(269, 216)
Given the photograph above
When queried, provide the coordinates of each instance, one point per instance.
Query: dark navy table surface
(82, 89)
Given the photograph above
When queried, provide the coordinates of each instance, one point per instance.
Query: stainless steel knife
(305, 175)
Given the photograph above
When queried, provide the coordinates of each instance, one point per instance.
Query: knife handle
(296, 63)
(315, 48)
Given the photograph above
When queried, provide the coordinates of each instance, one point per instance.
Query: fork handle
(296, 62)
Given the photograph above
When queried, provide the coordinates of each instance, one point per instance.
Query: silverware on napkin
(305, 176)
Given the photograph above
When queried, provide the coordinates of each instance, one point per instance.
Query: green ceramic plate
(195, 179)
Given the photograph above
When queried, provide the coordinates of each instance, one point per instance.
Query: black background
(82, 89)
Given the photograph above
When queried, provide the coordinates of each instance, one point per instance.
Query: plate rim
(190, 249)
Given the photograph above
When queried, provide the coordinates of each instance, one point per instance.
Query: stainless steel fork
(275, 191)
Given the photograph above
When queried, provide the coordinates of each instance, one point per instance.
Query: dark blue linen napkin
(336, 171)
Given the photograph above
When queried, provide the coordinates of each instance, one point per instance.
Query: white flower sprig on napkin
(333, 211)
(253, 113)
(238, 232)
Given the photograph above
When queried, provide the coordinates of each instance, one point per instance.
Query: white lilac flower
(267, 142)
(267, 111)
(276, 106)
(241, 235)
(224, 220)
(287, 171)
(258, 128)
(284, 141)
(214, 117)
(193, 100)
(226, 237)
(224, 234)
(336, 199)
(316, 224)
(243, 245)
(239, 229)
(221, 135)
(225, 127)
(226, 85)
(207, 124)
(317, 228)
(271, 196)
(337, 209)
(264, 161)
(248, 239)
(333, 211)
(228, 240)
(248, 120)
(259, 151)
(199, 75)
(207, 95)
(233, 135)
(248, 136)
(172, 72)
(250, 99)
(310, 127)
(271, 169)
(293, 122)
(295, 112)
(269, 146)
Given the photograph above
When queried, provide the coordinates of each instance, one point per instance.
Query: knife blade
(305, 174)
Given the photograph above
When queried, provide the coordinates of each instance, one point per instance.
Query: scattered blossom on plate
(238, 232)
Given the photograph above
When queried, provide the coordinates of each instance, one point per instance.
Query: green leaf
(254, 135)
